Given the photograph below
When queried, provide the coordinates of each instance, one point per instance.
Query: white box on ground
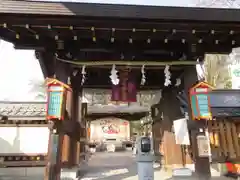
(179, 172)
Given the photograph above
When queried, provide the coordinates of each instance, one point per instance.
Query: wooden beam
(127, 116)
(129, 63)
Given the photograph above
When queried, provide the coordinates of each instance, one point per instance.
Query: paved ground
(121, 166)
(114, 166)
(101, 166)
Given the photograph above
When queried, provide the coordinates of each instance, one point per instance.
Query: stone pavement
(122, 166)
(22, 173)
(101, 166)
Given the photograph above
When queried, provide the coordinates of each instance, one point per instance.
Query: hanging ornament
(143, 80)
(83, 74)
(200, 71)
(178, 82)
(114, 77)
(167, 76)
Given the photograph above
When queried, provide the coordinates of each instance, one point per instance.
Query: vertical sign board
(55, 104)
(203, 146)
(56, 99)
(200, 101)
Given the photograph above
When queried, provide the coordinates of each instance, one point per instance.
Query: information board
(203, 105)
(54, 104)
(225, 103)
(228, 98)
(199, 100)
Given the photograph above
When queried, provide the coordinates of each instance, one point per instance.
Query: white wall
(27, 140)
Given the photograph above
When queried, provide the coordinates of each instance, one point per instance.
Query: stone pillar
(202, 165)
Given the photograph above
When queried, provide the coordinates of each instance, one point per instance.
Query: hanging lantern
(56, 103)
(125, 90)
(200, 101)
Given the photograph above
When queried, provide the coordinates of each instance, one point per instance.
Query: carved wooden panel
(103, 97)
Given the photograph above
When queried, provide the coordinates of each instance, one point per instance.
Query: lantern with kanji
(200, 101)
(56, 100)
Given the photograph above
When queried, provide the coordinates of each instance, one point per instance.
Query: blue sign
(200, 106)
(54, 150)
(54, 103)
(203, 105)
(194, 105)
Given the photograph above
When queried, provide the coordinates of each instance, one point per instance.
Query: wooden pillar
(55, 147)
(75, 118)
(66, 151)
(202, 165)
(83, 133)
(171, 111)
(157, 137)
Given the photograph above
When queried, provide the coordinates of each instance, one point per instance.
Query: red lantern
(56, 99)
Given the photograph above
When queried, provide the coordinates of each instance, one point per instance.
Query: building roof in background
(23, 110)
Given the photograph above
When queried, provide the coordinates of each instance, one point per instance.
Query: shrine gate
(81, 44)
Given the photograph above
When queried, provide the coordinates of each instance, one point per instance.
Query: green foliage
(217, 72)
(136, 127)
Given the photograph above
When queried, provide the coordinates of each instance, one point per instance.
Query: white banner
(181, 131)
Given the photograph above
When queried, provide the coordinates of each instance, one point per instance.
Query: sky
(18, 68)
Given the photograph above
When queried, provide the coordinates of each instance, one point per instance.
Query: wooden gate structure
(69, 36)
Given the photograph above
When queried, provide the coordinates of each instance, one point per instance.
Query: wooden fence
(224, 140)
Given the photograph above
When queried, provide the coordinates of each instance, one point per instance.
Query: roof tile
(118, 11)
(23, 109)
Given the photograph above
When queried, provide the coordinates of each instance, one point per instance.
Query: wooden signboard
(56, 102)
(200, 101)
(225, 103)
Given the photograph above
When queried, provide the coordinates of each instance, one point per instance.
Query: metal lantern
(200, 101)
(56, 100)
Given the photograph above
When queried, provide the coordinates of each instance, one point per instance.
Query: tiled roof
(19, 110)
(117, 11)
